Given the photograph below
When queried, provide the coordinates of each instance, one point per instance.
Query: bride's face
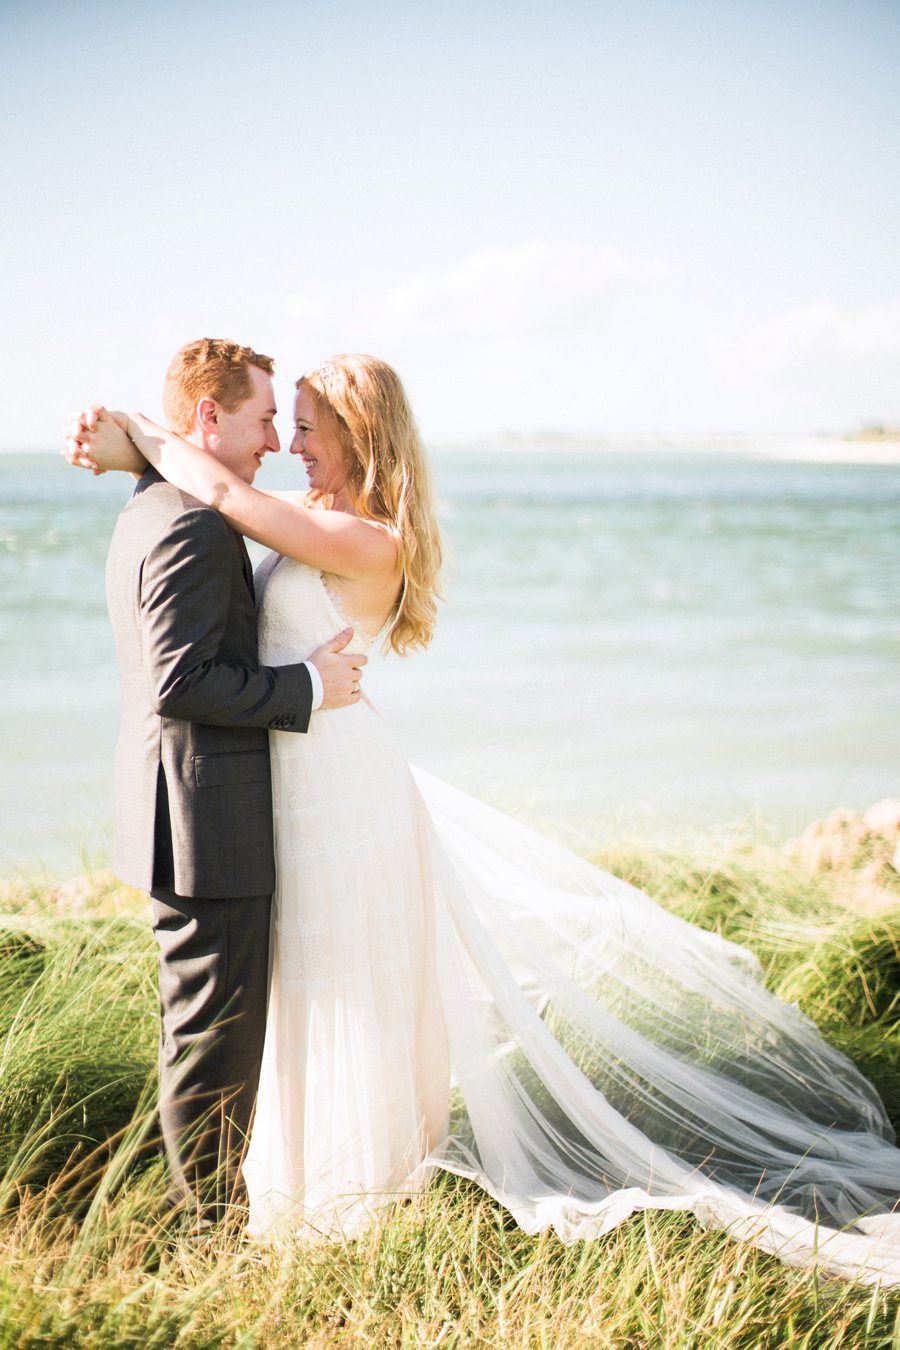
(319, 448)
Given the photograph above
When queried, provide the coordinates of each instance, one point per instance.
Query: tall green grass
(91, 1257)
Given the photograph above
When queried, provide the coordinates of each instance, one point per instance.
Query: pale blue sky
(674, 215)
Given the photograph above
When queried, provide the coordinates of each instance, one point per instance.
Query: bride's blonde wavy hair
(361, 400)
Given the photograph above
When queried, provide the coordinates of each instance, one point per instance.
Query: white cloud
(531, 288)
(537, 334)
(819, 366)
(816, 331)
(589, 338)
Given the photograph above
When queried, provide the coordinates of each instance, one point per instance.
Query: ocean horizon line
(812, 447)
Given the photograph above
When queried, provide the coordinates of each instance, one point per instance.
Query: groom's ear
(208, 415)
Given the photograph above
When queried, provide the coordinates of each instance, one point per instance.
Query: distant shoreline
(811, 448)
(821, 449)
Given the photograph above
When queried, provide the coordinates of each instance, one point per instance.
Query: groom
(193, 797)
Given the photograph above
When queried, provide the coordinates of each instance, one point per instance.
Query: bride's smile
(320, 450)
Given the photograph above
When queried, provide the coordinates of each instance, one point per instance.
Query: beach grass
(89, 1255)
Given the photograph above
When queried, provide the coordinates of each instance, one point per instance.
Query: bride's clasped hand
(448, 988)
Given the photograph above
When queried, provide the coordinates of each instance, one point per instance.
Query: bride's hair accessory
(323, 374)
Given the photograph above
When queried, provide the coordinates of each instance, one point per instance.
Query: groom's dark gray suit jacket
(196, 706)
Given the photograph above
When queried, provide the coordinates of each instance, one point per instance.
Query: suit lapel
(246, 564)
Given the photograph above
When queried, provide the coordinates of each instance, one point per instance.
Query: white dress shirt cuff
(318, 689)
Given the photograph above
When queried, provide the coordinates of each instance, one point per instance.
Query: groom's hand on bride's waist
(340, 671)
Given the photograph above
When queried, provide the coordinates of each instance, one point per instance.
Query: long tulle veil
(608, 1057)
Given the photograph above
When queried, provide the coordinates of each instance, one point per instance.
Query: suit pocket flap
(242, 766)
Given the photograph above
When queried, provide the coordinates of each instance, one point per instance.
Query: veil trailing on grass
(609, 1057)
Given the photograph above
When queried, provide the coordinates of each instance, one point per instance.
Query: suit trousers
(213, 987)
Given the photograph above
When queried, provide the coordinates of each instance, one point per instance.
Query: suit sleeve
(186, 584)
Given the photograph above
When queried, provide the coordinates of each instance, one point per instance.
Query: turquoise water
(630, 641)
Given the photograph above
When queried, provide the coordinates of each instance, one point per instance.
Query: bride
(449, 989)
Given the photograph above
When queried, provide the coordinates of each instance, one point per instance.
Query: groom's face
(242, 437)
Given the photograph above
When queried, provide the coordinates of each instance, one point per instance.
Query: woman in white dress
(450, 989)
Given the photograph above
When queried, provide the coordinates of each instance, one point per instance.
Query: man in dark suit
(193, 806)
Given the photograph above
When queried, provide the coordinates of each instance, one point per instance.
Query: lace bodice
(297, 612)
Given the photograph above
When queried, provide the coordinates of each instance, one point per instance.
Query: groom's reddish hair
(209, 368)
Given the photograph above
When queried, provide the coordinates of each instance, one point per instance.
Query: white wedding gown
(450, 989)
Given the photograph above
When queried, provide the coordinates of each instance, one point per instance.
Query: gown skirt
(452, 990)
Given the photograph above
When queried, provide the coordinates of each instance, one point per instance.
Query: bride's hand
(97, 439)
